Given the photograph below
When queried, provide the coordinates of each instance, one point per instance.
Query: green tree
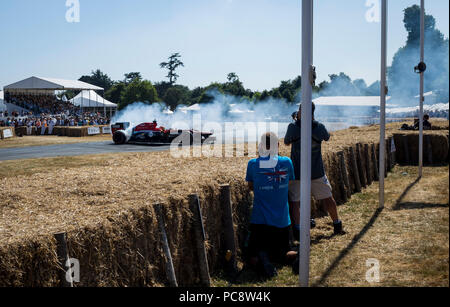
(374, 89)
(162, 87)
(114, 94)
(264, 95)
(361, 86)
(98, 78)
(232, 77)
(403, 81)
(172, 65)
(411, 20)
(132, 76)
(138, 91)
(339, 85)
(177, 95)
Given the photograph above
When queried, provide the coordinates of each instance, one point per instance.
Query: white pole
(104, 106)
(383, 100)
(422, 58)
(306, 127)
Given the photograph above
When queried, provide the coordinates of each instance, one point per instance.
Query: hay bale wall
(439, 148)
(366, 172)
(125, 251)
(60, 131)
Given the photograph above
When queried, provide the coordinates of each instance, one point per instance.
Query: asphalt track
(77, 149)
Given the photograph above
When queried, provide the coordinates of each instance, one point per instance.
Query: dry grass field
(409, 237)
(90, 194)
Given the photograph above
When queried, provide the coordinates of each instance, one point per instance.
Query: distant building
(348, 108)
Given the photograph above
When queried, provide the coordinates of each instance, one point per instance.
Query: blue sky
(257, 39)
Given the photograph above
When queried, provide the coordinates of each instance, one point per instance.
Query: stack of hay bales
(435, 147)
(60, 131)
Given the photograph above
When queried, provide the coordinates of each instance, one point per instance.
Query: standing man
(320, 186)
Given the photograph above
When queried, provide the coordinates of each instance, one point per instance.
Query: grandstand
(38, 95)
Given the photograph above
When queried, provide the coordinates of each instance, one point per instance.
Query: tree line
(133, 88)
(401, 78)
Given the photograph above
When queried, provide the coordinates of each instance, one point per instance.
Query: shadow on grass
(349, 247)
(400, 205)
(412, 205)
(359, 236)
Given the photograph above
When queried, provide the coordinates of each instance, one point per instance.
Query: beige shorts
(320, 189)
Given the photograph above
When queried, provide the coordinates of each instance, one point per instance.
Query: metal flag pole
(383, 91)
(422, 71)
(306, 127)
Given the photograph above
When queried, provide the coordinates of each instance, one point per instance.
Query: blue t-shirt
(271, 188)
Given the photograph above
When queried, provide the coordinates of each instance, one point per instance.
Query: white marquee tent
(350, 101)
(42, 84)
(2, 104)
(193, 108)
(90, 99)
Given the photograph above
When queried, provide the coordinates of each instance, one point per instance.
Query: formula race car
(151, 134)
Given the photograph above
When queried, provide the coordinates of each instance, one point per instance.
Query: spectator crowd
(45, 120)
(39, 104)
(46, 110)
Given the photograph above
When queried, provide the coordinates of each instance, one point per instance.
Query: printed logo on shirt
(277, 177)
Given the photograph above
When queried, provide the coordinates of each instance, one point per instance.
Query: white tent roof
(425, 94)
(2, 105)
(38, 83)
(195, 107)
(350, 101)
(239, 111)
(90, 99)
(439, 107)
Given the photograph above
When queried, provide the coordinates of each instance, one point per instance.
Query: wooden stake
(63, 256)
(355, 170)
(388, 155)
(376, 175)
(387, 162)
(361, 168)
(200, 238)
(344, 175)
(228, 228)
(170, 271)
(368, 168)
(393, 153)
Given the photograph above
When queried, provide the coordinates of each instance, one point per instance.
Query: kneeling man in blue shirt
(268, 177)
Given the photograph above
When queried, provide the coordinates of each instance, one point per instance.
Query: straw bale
(439, 143)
